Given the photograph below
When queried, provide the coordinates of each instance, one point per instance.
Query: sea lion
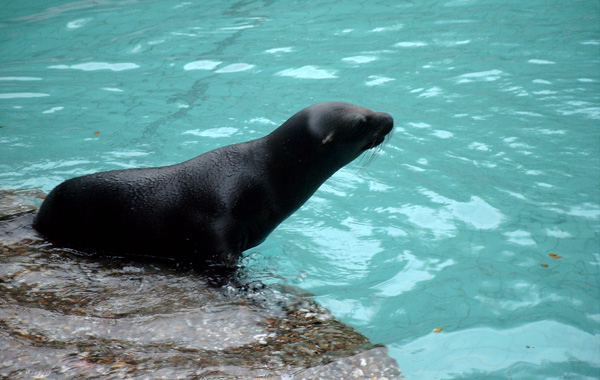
(211, 208)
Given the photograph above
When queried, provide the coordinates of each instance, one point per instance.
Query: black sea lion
(211, 208)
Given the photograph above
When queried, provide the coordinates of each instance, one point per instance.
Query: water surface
(493, 165)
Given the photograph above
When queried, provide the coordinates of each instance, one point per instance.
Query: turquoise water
(493, 164)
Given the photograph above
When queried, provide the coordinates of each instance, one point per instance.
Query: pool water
(479, 217)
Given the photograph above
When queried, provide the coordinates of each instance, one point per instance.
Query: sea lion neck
(296, 160)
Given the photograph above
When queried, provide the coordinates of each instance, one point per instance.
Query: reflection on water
(66, 316)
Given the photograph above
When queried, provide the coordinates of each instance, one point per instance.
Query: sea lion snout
(381, 124)
(385, 122)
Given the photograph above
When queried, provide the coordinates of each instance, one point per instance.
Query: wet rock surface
(68, 316)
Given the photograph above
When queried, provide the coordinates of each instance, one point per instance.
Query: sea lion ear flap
(327, 139)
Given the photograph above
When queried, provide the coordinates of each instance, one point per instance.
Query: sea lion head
(346, 128)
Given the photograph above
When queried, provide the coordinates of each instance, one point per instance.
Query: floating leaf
(96, 133)
(545, 265)
(554, 256)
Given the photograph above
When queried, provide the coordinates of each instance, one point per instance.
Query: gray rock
(65, 315)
